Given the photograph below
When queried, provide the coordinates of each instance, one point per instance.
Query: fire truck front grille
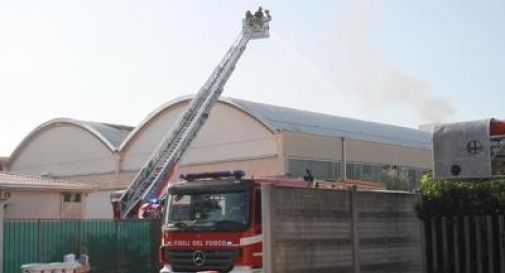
(201, 260)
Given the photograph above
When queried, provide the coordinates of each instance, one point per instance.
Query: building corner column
(343, 159)
(279, 140)
(117, 162)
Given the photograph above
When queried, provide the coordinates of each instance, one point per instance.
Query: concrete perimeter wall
(311, 230)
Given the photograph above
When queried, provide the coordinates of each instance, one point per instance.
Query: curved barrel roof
(110, 135)
(287, 119)
(274, 118)
(278, 118)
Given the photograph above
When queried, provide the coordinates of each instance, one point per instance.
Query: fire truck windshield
(216, 211)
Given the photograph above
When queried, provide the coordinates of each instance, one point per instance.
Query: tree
(460, 197)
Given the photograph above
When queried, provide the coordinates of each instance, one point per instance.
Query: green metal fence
(113, 246)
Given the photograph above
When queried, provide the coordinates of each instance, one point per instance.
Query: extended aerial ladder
(155, 174)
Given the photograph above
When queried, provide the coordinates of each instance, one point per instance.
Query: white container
(69, 258)
(26, 268)
(40, 268)
(70, 267)
(84, 259)
(67, 270)
(56, 267)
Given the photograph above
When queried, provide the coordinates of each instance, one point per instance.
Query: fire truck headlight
(245, 269)
(166, 269)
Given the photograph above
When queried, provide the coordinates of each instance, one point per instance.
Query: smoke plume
(375, 80)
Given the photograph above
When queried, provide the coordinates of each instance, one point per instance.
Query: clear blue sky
(397, 62)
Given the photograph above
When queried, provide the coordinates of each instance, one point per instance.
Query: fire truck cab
(212, 222)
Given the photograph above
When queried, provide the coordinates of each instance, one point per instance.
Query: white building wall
(63, 151)
(229, 134)
(98, 205)
(272, 166)
(310, 147)
(109, 181)
(145, 141)
(31, 204)
(365, 151)
(305, 146)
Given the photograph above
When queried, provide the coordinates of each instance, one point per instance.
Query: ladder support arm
(153, 177)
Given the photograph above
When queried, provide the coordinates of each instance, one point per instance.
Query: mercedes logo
(198, 258)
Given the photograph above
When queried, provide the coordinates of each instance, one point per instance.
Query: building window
(4, 195)
(320, 169)
(377, 173)
(363, 171)
(353, 171)
(369, 172)
(393, 176)
(338, 170)
(366, 172)
(72, 197)
(413, 177)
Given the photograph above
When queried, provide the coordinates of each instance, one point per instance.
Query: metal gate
(470, 244)
(113, 246)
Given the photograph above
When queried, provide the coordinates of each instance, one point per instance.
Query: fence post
(156, 234)
(434, 245)
(478, 243)
(424, 256)
(38, 240)
(445, 247)
(268, 213)
(422, 235)
(455, 239)
(354, 229)
(118, 250)
(81, 250)
(501, 242)
(490, 252)
(2, 221)
(151, 240)
(468, 261)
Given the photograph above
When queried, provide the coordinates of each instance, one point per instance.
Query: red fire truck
(212, 221)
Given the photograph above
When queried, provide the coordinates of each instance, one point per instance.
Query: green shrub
(453, 197)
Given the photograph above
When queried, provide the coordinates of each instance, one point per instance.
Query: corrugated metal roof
(114, 133)
(288, 119)
(110, 134)
(28, 182)
(276, 118)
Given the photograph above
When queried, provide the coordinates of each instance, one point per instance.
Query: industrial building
(261, 139)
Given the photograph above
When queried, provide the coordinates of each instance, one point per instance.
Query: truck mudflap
(237, 269)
